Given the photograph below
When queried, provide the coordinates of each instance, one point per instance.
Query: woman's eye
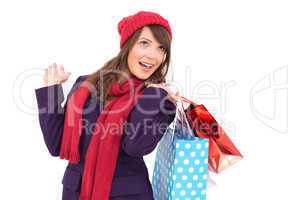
(143, 43)
(163, 49)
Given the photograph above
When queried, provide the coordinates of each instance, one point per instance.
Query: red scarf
(102, 153)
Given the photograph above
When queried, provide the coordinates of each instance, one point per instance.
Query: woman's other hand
(54, 75)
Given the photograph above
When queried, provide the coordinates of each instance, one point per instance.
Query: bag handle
(188, 101)
(181, 119)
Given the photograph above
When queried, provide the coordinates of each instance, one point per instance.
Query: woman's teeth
(145, 65)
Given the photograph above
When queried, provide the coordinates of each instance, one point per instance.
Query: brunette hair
(112, 70)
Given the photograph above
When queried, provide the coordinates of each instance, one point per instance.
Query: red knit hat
(128, 25)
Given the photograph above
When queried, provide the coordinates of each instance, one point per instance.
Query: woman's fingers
(64, 75)
(61, 72)
(55, 70)
(50, 73)
(50, 70)
(173, 97)
(68, 74)
(55, 75)
(61, 69)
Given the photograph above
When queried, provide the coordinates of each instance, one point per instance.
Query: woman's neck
(122, 78)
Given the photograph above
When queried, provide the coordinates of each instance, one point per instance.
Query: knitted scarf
(102, 153)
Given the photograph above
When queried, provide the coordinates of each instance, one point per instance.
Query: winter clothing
(130, 180)
(129, 25)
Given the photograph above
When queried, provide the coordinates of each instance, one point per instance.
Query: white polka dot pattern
(180, 171)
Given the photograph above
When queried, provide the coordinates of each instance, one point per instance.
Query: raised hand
(55, 75)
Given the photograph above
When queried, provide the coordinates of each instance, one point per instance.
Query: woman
(112, 117)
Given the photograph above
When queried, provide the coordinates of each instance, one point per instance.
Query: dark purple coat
(149, 118)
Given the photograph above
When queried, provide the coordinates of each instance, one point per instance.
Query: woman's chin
(141, 76)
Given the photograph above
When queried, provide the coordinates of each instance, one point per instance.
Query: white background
(239, 58)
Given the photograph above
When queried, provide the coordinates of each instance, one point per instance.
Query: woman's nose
(151, 53)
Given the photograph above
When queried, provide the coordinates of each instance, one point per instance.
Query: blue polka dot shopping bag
(181, 163)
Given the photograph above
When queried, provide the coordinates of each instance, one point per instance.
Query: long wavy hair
(113, 70)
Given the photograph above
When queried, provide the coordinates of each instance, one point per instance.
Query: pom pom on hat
(129, 25)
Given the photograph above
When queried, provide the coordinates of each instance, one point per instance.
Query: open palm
(55, 75)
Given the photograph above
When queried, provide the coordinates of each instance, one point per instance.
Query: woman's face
(146, 55)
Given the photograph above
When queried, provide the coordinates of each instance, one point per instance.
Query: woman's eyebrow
(146, 39)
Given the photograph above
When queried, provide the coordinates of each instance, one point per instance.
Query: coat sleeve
(147, 122)
(52, 114)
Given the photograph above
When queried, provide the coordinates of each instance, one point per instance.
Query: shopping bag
(222, 151)
(180, 170)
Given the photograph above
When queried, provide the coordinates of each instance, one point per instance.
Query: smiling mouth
(146, 65)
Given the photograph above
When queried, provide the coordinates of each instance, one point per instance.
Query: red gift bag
(222, 152)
